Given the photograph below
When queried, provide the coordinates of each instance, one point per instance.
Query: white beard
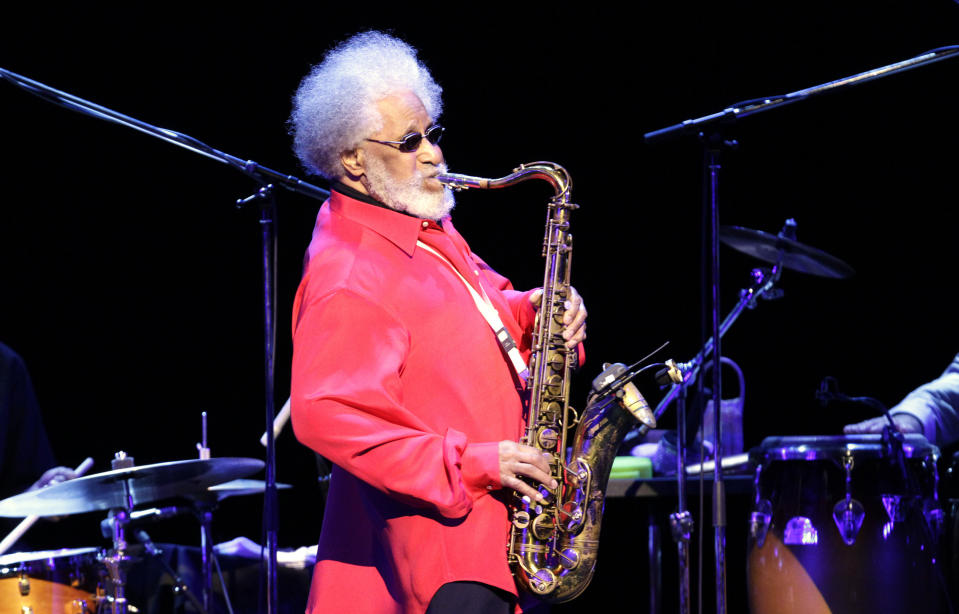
(408, 196)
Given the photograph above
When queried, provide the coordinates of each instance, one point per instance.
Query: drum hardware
(759, 521)
(116, 562)
(179, 586)
(204, 503)
(849, 513)
(205, 514)
(681, 525)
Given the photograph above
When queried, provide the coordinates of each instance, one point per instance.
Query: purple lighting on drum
(800, 532)
(893, 505)
(887, 529)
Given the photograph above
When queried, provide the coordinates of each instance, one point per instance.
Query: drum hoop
(16, 558)
(834, 447)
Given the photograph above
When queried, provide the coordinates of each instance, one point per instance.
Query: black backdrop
(132, 286)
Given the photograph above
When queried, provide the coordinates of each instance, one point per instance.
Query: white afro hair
(334, 107)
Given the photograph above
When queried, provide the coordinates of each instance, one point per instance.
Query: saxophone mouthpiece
(462, 182)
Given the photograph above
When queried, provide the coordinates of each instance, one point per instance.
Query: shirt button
(426, 224)
(475, 272)
(490, 487)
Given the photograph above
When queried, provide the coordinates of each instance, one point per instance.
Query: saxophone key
(543, 526)
(554, 384)
(543, 581)
(520, 519)
(569, 558)
(547, 438)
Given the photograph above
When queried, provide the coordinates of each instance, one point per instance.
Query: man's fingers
(873, 425)
(519, 461)
(523, 489)
(574, 319)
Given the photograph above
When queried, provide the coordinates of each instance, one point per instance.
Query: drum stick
(27, 522)
(278, 422)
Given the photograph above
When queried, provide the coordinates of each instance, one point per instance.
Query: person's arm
(347, 405)
(936, 406)
(26, 438)
(931, 409)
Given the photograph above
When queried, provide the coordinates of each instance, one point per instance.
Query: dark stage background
(131, 285)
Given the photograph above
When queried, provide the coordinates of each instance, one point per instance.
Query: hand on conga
(906, 423)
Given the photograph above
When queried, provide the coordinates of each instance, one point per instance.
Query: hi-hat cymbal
(239, 487)
(127, 488)
(794, 255)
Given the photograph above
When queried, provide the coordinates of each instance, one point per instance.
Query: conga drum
(845, 525)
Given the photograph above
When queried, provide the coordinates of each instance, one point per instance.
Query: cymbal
(795, 256)
(241, 487)
(127, 488)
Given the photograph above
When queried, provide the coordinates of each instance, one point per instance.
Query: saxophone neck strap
(489, 313)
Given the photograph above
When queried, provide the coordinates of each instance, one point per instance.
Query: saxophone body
(553, 546)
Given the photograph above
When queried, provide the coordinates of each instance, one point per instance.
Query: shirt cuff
(919, 409)
(480, 467)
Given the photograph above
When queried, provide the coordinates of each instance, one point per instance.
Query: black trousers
(470, 598)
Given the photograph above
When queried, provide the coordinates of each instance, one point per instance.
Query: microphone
(828, 391)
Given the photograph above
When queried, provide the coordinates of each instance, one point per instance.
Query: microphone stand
(267, 179)
(266, 199)
(764, 281)
(709, 129)
(714, 144)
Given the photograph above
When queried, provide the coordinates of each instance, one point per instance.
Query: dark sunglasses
(411, 142)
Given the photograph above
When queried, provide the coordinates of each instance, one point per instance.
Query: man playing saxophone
(397, 376)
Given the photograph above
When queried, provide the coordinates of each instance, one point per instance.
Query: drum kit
(91, 580)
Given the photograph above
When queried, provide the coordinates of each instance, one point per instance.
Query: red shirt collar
(399, 228)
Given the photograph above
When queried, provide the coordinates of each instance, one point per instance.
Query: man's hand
(515, 460)
(905, 422)
(53, 476)
(574, 319)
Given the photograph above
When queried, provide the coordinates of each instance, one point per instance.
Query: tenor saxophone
(552, 546)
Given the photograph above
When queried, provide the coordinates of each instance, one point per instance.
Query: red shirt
(399, 381)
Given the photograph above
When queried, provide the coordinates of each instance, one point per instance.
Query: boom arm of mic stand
(261, 174)
(747, 298)
(751, 107)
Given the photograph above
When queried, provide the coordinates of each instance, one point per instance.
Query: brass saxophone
(553, 546)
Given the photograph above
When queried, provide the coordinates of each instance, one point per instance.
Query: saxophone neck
(555, 174)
